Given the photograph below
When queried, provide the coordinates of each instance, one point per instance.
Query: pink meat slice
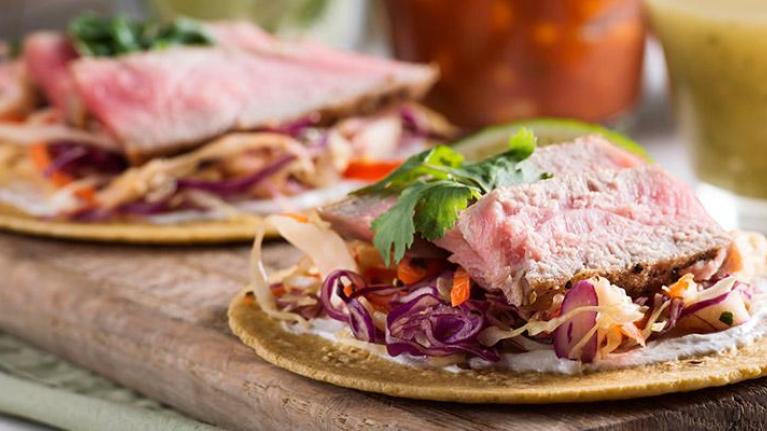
(638, 227)
(47, 56)
(162, 102)
(351, 217)
(16, 95)
(244, 35)
(240, 34)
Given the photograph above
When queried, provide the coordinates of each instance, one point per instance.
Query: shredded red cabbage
(138, 208)
(361, 323)
(238, 185)
(429, 326)
(742, 287)
(413, 124)
(383, 290)
(674, 314)
(295, 128)
(334, 284)
(570, 333)
(221, 188)
(353, 312)
(642, 300)
(420, 322)
(502, 314)
(145, 208)
(305, 311)
(318, 145)
(703, 304)
(80, 160)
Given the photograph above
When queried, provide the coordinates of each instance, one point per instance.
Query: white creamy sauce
(546, 361)
(338, 332)
(27, 197)
(670, 349)
(30, 198)
(300, 202)
(303, 201)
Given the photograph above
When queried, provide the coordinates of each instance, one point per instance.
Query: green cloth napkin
(39, 386)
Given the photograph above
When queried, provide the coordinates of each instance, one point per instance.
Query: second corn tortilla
(317, 358)
(195, 232)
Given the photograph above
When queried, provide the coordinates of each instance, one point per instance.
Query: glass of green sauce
(716, 52)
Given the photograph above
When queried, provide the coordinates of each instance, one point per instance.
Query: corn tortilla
(194, 232)
(320, 359)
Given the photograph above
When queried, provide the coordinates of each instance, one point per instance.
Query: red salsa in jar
(508, 59)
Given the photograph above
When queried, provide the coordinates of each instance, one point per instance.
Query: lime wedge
(494, 139)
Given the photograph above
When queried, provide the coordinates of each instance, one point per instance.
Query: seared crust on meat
(642, 279)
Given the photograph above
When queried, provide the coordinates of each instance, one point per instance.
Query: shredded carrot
(60, 179)
(301, 218)
(348, 290)
(87, 194)
(734, 262)
(42, 160)
(678, 289)
(614, 338)
(249, 298)
(412, 270)
(409, 271)
(379, 275)
(39, 155)
(461, 287)
(277, 290)
(370, 170)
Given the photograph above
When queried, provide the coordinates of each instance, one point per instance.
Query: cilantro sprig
(436, 185)
(100, 36)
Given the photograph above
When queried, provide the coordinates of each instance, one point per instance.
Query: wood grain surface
(153, 319)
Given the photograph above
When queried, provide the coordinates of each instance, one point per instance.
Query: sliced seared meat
(16, 94)
(352, 216)
(245, 36)
(47, 56)
(638, 227)
(240, 34)
(163, 102)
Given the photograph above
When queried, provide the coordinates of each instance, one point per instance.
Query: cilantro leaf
(505, 169)
(436, 185)
(727, 318)
(433, 163)
(439, 208)
(427, 208)
(395, 229)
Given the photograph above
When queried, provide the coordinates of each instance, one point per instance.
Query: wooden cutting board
(153, 319)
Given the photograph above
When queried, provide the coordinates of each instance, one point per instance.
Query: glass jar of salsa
(509, 59)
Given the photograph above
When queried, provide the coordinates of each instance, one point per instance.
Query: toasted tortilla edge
(193, 232)
(320, 359)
